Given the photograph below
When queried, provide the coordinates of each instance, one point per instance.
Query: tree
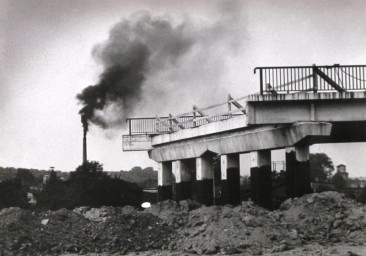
(88, 170)
(338, 181)
(89, 185)
(12, 194)
(321, 167)
(26, 177)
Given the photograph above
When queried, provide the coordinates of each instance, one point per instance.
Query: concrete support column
(260, 178)
(204, 177)
(182, 175)
(165, 181)
(298, 171)
(230, 179)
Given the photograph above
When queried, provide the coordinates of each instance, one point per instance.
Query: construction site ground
(325, 223)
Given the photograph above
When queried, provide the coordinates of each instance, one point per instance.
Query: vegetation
(12, 193)
(321, 167)
(88, 185)
(338, 181)
(145, 178)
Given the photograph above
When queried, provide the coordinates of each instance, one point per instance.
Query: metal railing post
(157, 124)
(261, 80)
(229, 104)
(194, 117)
(170, 123)
(315, 79)
(129, 125)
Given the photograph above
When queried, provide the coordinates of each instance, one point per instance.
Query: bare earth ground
(311, 249)
(327, 223)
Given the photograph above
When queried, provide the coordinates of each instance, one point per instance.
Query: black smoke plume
(158, 62)
(132, 50)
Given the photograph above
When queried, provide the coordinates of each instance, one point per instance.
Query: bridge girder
(241, 141)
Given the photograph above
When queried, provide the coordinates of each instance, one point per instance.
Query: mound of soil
(52, 233)
(170, 228)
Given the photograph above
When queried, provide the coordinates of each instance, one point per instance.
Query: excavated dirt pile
(188, 227)
(82, 231)
(324, 218)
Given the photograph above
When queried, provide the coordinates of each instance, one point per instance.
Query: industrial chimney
(85, 158)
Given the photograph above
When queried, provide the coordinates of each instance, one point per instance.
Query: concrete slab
(244, 140)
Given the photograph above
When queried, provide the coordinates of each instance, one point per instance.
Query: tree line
(88, 185)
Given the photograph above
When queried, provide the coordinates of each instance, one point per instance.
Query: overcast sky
(46, 60)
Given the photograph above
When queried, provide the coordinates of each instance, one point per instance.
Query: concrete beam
(228, 161)
(321, 107)
(183, 179)
(234, 123)
(204, 176)
(230, 179)
(260, 178)
(241, 141)
(297, 171)
(165, 181)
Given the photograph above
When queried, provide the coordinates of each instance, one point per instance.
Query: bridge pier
(230, 179)
(204, 176)
(260, 177)
(298, 171)
(165, 181)
(183, 184)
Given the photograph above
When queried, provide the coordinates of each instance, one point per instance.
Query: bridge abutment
(165, 181)
(230, 179)
(298, 171)
(260, 177)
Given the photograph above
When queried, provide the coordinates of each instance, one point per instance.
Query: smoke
(151, 62)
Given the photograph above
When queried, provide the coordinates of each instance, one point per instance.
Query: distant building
(31, 198)
(47, 176)
(341, 169)
(362, 184)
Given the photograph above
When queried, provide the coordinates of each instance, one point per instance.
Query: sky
(50, 50)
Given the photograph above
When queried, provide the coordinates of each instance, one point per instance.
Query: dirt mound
(52, 233)
(209, 230)
(326, 217)
(187, 227)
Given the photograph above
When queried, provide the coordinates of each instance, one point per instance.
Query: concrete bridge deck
(187, 153)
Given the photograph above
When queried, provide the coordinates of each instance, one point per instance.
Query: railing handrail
(186, 114)
(211, 116)
(322, 66)
(311, 78)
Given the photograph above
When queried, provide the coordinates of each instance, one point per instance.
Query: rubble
(170, 228)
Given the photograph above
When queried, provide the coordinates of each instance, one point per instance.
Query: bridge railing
(311, 78)
(141, 130)
(136, 142)
(196, 117)
(200, 116)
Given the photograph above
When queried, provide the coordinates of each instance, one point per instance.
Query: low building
(341, 169)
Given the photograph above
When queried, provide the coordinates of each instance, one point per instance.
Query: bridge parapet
(295, 107)
(312, 78)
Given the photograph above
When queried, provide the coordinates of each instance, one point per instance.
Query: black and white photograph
(182, 127)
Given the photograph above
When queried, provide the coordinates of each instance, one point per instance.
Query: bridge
(296, 107)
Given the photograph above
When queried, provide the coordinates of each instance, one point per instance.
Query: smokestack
(85, 158)
(84, 121)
